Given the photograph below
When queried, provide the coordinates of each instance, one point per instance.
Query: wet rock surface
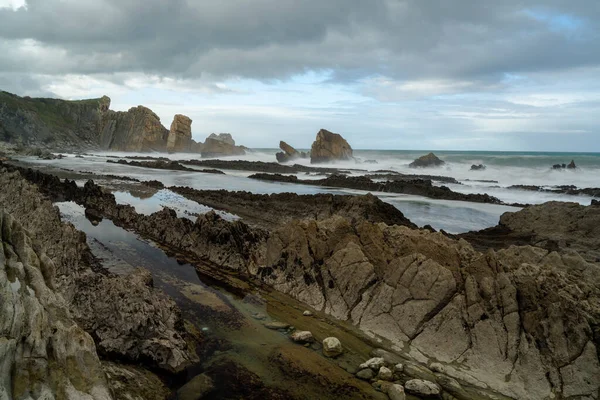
(259, 166)
(126, 317)
(565, 189)
(415, 187)
(168, 165)
(520, 321)
(273, 210)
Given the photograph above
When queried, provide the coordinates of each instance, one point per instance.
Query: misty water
(504, 169)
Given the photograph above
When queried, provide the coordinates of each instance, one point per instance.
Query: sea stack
(180, 135)
(428, 160)
(221, 145)
(329, 146)
(289, 153)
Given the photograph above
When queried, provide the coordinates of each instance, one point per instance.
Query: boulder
(428, 160)
(276, 325)
(365, 374)
(329, 146)
(302, 337)
(571, 165)
(374, 363)
(307, 313)
(420, 387)
(332, 347)
(180, 135)
(197, 388)
(385, 374)
(396, 392)
(221, 145)
(477, 167)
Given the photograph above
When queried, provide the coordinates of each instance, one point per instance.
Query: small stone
(373, 363)
(259, 316)
(196, 388)
(421, 387)
(302, 337)
(307, 313)
(332, 347)
(385, 374)
(366, 374)
(396, 392)
(398, 368)
(276, 325)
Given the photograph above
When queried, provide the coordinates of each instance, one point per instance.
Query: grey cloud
(273, 39)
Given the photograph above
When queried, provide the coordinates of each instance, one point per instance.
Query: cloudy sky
(386, 74)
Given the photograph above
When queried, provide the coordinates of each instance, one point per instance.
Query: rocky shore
(520, 321)
(419, 187)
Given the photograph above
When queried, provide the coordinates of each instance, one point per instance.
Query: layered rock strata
(521, 321)
(43, 352)
(125, 315)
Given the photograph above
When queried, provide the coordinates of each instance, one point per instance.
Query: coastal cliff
(65, 125)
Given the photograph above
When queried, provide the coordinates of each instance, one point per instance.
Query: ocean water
(505, 168)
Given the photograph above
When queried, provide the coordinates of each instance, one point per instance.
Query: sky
(386, 74)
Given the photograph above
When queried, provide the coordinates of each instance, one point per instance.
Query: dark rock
(478, 167)
(365, 374)
(571, 165)
(197, 388)
(416, 187)
(429, 160)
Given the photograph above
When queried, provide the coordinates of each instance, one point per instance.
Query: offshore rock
(478, 167)
(43, 352)
(429, 160)
(180, 135)
(289, 153)
(221, 145)
(329, 146)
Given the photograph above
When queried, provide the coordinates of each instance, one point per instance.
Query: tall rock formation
(138, 129)
(43, 352)
(180, 135)
(329, 146)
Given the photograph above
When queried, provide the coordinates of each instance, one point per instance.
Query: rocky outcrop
(51, 122)
(125, 315)
(168, 165)
(221, 145)
(273, 210)
(428, 160)
(520, 321)
(43, 352)
(260, 166)
(138, 129)
(478, 167)
(289, 153)
(329, 146)
(418, 187)
(571, 165)
(180, 135)
(564, 189)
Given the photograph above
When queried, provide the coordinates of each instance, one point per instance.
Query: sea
(503, 169)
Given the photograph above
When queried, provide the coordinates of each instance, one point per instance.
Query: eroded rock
(329, 146)
(428, 160)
